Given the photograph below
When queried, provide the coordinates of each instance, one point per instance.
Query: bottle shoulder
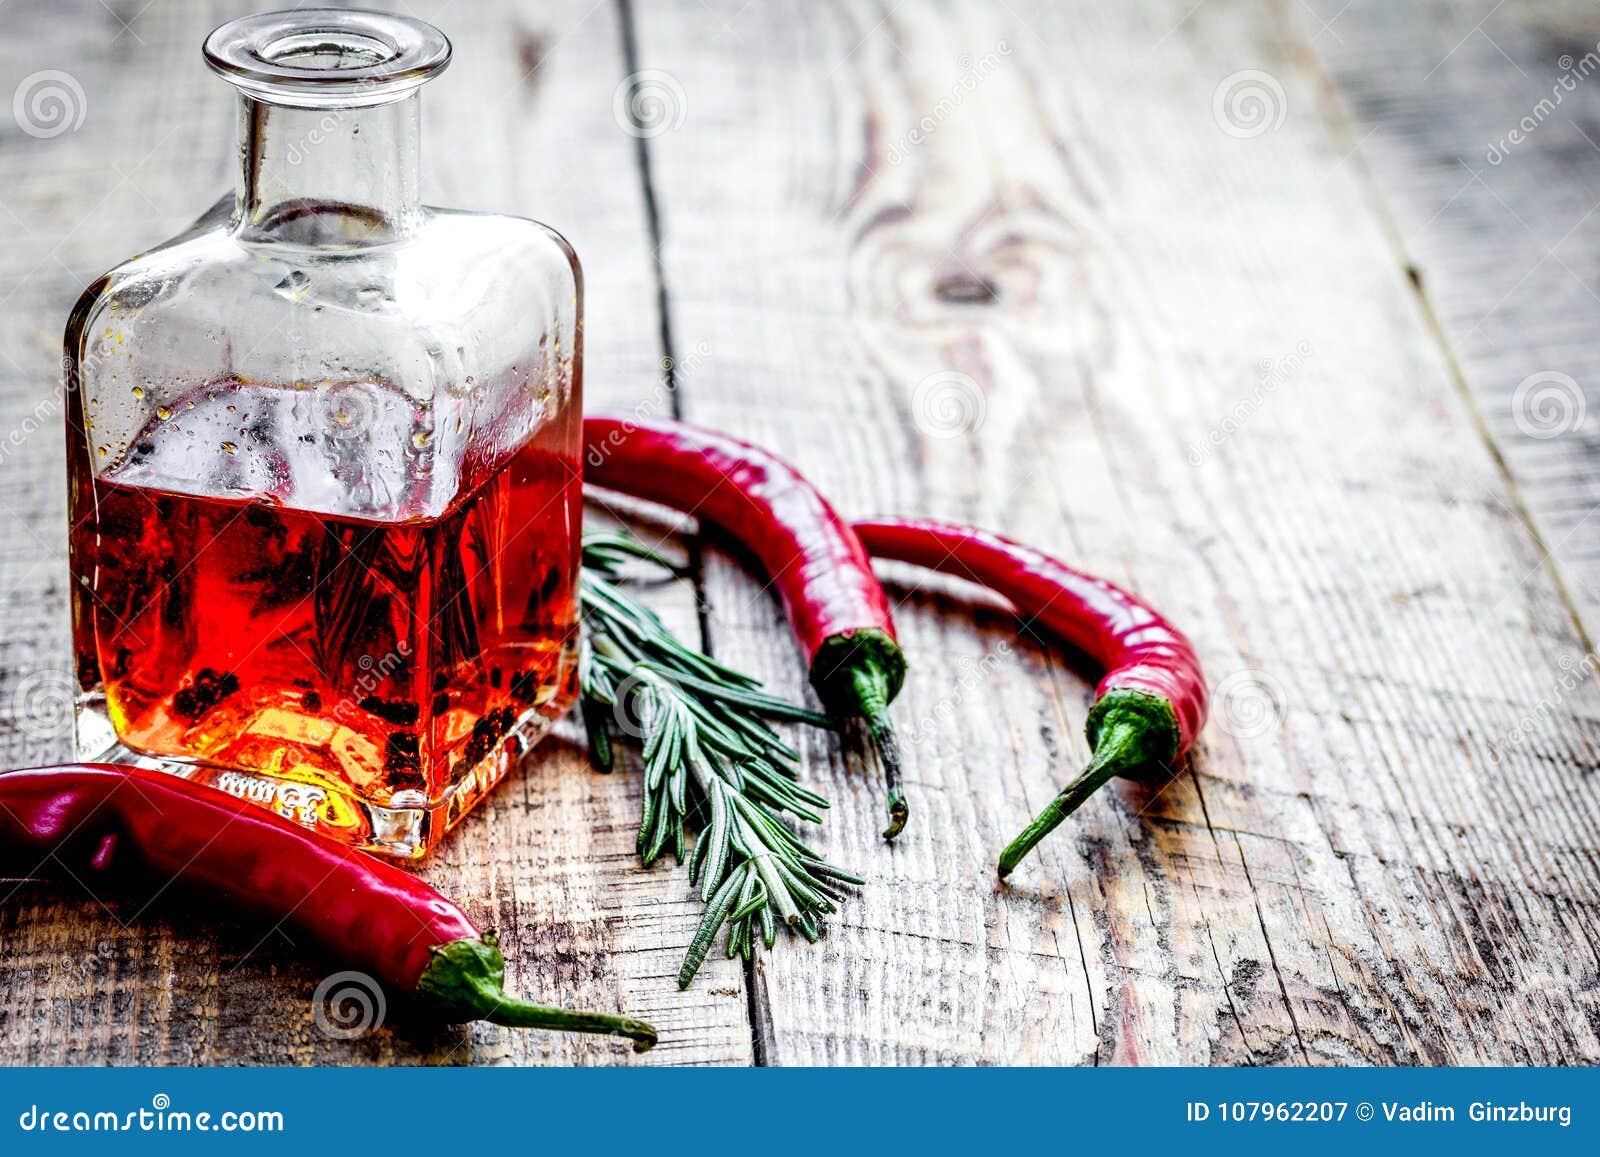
(459, 340)
(501, 237)
(449, 265)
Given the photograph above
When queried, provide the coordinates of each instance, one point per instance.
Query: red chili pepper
(1152, 702)
(836, 605)
(100, 826)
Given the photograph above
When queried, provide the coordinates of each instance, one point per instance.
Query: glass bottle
(324, 462)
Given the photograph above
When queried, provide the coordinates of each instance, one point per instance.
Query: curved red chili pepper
(1152, 702)
(835, 603)
(102, 825)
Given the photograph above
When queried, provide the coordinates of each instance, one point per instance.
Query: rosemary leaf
(718, 835)
(716, 912)
(711, 761)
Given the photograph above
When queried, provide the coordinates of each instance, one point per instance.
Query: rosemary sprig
(710, 760)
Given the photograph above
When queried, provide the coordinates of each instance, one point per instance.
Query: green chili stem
(857, 674)
(1068, 801)
(1129, 730)
(871, 701)
(466, 981)
(520, 1014)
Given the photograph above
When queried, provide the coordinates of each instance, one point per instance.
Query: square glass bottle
(324, 462)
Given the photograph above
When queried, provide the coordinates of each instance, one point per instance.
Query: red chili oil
(371, 677)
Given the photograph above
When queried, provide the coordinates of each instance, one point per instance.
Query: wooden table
(1229, 301)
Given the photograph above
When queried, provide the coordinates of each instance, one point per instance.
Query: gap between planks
(758, 998)
(1341, 127)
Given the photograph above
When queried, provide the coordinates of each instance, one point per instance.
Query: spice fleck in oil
(372, 678)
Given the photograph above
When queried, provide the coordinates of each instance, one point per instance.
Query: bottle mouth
(327, 57)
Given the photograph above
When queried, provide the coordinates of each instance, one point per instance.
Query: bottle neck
(338, 177)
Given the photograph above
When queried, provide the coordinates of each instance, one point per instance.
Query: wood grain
(1377, 858)
(1479, 125)
(522, 123)
(1036, 265)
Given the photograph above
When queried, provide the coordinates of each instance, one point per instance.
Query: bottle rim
(327, 57)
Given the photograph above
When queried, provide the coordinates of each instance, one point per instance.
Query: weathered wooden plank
(1479, 125)
(1175, 345)
(1387, 852)
(522, 123)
